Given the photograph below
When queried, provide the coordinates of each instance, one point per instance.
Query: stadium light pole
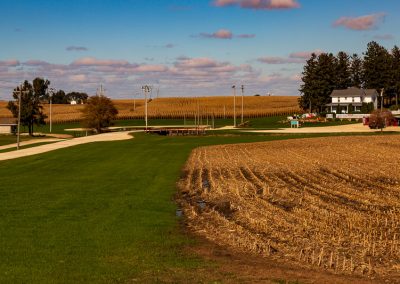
(234, 105)
(146, 89)
(242, 103)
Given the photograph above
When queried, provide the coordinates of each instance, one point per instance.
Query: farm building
(352, 96)
(8, 126)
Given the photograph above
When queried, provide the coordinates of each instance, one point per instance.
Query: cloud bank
(76, 48)
(259, 4)
(185, 76)
(367, 22)
(224, 34)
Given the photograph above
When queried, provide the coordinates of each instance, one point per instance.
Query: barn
(8, 125)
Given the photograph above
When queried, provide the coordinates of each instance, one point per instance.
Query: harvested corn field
(332, 203)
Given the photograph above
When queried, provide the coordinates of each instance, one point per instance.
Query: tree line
(33, 95)
(378, 69)
(60, 97)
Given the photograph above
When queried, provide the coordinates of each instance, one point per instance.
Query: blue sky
(186, 48)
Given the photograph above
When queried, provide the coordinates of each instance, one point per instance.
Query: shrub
(379, 119)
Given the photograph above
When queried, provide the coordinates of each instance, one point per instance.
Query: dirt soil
(238, 267)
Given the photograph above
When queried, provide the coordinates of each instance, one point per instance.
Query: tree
(327, 83)
(40, 86)
(396, 72)
(356, 71)
(343, 77)
(377, 68)
(99, 112)
(319, 77)
(59, 97)
(31, 109)
(307, 88)
(77, 96)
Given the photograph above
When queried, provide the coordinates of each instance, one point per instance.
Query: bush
(379, 119)
(367, 107)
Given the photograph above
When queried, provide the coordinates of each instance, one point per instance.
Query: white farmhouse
(352, 96)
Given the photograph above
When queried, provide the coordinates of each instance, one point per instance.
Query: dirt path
(349, 128)
(238, 267)
(30, 142)
(113, 136)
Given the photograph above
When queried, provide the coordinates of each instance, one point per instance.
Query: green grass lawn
(264, 122)
(258, 123)
(25, 147)
(11, 139)
(7, 139)
(100, 212)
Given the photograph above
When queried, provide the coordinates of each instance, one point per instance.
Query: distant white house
(354, 97)
(8, 125)
(73, 102)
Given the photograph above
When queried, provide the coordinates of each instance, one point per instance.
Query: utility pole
(146, 90)
(198, 116)
(234, 105)
(20, 92)
(19, 115)
(242, 103)
(51, 93)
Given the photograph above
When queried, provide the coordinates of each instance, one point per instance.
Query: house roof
(354, 92)
(7, 121)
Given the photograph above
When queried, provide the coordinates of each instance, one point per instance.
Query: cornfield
(330, 203)
(163, 108)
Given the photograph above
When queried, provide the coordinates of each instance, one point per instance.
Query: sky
(182, 47)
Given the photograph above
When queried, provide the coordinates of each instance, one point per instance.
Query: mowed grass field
(98, 213)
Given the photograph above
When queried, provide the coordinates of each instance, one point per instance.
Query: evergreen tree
(377, 68)
(356, 71)
(319, 80)
(343, 77)
(396, 72)
(326, 81)
(308, 87)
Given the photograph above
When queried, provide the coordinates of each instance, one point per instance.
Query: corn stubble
(332, 203)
